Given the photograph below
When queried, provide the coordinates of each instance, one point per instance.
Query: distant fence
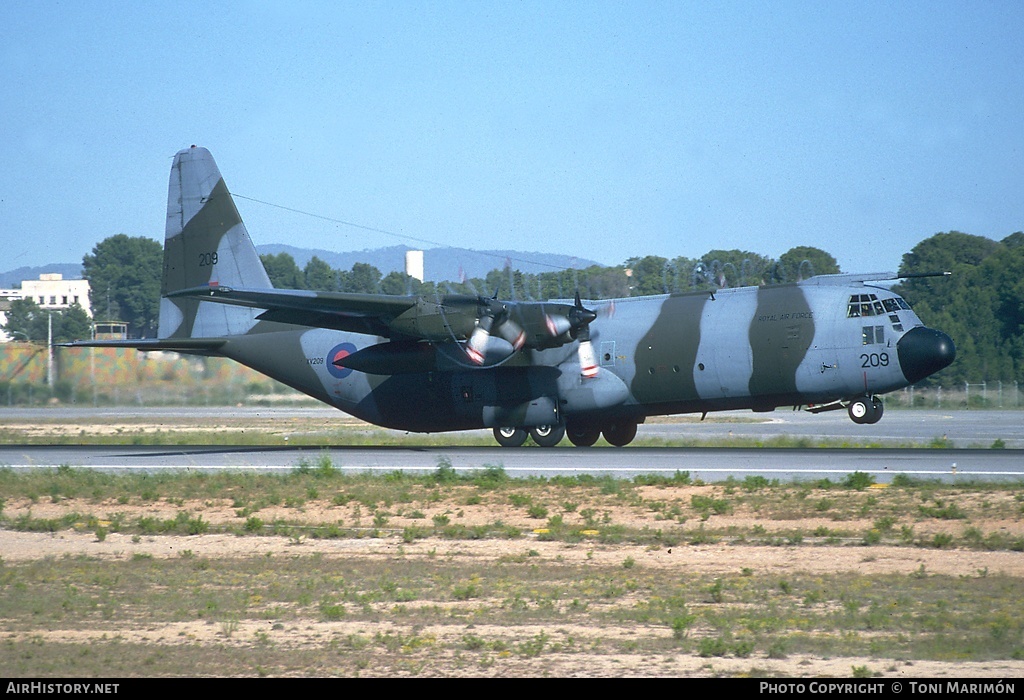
(981, 395)
(118, 376)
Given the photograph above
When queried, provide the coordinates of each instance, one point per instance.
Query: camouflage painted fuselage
(754, 348)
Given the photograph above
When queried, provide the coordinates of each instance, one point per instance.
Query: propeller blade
(476, 346)
(512, 332)
(557, 325)
(588, 358)
(496, 336)
(580, 319)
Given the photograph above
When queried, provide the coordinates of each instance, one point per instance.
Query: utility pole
(49, 351)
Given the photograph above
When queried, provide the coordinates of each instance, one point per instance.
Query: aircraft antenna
(427, 241)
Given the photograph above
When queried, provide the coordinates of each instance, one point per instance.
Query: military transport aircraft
(529, 369)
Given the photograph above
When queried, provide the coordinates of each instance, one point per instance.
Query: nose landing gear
(865, 410)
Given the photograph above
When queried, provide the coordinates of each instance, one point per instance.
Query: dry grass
(316, 573)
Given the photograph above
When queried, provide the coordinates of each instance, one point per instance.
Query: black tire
(877, 409)
(547, 435)
(620, 434)
(510, 437)
(860, 410)
(582, 435)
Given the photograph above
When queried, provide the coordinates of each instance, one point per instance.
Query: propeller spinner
(575, 325)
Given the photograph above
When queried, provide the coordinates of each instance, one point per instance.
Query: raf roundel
(339, 352)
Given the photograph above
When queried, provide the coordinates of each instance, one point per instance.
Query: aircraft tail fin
(206, 243)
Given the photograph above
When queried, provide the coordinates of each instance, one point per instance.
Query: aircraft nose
(923, 352)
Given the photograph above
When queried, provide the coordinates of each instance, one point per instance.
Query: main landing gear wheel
(547, 435)
(582, 435)
(865, 410)
(510, 437)
(620, 434)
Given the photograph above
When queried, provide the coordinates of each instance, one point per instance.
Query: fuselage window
(870, 335)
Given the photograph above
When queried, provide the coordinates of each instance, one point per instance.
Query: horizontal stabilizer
(302, 300)
(193, 345)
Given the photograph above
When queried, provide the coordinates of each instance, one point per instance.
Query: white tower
(414, 264)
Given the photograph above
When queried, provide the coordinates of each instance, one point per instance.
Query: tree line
(638, 276)
(981, 306)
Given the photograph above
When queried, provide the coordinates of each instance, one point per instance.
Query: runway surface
(898, 428)
(710, 465)
(976, 431)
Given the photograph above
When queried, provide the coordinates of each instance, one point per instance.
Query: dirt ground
(723, 558)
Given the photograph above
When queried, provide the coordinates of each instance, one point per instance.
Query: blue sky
(598, 129)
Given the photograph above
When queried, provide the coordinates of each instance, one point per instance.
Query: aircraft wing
(452, 317)
(359, 313)
(844, 278)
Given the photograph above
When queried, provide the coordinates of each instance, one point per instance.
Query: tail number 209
(875, 359)
(207, 259)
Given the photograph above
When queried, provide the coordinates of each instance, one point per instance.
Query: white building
(414, 264)
(51, 292)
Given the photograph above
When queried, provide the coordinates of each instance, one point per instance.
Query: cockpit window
(891, 305)
(870, 305)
